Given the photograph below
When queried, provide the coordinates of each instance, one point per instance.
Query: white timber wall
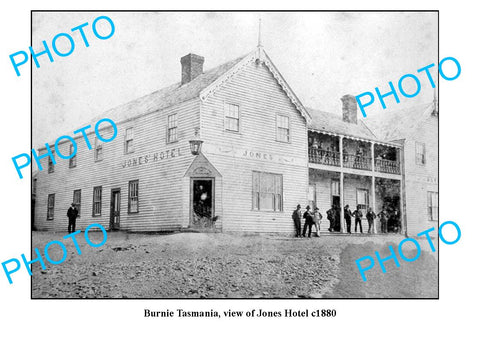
(419, 179)
(160, 182)
(260, 99)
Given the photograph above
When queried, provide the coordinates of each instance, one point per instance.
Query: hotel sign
(254, 155)
(151, 158)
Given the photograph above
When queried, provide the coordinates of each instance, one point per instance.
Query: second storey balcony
(356, 154)
(320, 156)
(326, 157)
(388, 166)
(357, 162)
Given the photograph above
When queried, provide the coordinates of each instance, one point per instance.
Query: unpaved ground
(190, 265)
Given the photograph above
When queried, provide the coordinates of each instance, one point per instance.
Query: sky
(322, 55)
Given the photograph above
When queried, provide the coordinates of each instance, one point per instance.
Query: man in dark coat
(308, 216)
(331, 214)
(297, 216)
(338, 221)
(358, 218)
(395, 221)
(370, 217)
(383, 220)
(347, 213)
(72, 214)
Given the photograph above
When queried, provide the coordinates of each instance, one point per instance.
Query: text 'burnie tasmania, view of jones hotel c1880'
(261, 152)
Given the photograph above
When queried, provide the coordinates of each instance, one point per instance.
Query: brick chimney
(192, 67)
(349, 109)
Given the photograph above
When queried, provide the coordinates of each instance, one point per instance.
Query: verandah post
(342, 228)
(374, 230)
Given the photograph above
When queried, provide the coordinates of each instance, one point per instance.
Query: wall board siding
(260, 99)
(419, 179)
(160, 189)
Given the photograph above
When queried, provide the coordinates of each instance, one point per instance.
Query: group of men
(333, 215)
(311, 219)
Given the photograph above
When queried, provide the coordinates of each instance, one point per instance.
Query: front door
(115, 209)
(202, 202)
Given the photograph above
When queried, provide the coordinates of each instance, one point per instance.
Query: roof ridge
(395, 124)
(178, 84)
(334, 123)
(172, 88)
(372, 132)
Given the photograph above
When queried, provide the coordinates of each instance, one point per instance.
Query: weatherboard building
(230, 149)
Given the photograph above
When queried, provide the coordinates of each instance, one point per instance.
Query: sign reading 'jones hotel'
(250, 154)
(152, 158)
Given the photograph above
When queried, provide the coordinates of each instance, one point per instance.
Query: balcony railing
(385, 165)
(357, 162)
(326, 157)
(332, 158)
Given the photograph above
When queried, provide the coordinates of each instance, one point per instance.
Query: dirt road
(194, 265)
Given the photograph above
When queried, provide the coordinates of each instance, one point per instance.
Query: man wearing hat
(317, 219)
(358, 218)
(347, 214)
(308, 216)
(72, 214)
(297, 220)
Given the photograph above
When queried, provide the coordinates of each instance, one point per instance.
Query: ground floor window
(432, 203)
(362, 200)
(77, 199)
(133, 196)
(267, 191)
(97, 201)
(50, 206)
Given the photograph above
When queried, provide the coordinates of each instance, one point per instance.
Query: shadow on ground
(228, 266)
(417, 279)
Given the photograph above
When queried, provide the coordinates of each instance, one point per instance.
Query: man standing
(317, 219)
(297, 216)
(358, 218)
(347, 213)
(72, 214)
(394, 220)
(308, 216)
(370, 217)
(338, 221)
(383, 220)
(331, 217)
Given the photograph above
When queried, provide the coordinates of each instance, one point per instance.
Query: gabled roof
(201, 167)
(331, 123)
(168, 96)
(399, 124)
(201, 87)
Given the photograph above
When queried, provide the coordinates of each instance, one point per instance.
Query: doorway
(115, 209)
(336, 204)
(202, 202)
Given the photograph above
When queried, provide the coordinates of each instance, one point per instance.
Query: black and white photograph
(226, 156)
(238, 170)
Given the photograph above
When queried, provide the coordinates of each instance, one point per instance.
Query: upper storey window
(98, 154)
(129, 140)
(172, 124)
(232, 117)
(420, 157)
(51, 166)
(283, 128)
(73, 160)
